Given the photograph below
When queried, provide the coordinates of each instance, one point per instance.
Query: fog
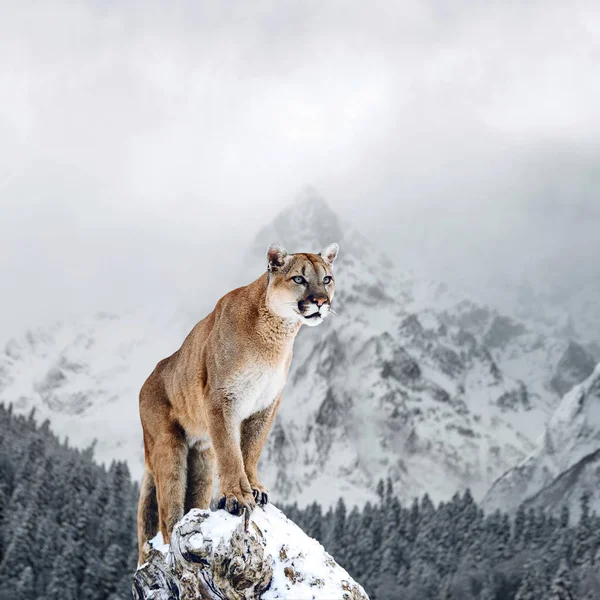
(143, 145)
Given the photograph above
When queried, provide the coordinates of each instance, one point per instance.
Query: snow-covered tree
(561, 586)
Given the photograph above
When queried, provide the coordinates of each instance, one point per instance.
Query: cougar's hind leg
(147, 518)
(166, 452)
(169, 465)
(200, 473)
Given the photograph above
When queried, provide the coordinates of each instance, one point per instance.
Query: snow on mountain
(409, 381)
(84, 376)
(566, 460)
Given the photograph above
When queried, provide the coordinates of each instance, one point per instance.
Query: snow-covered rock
(410, 381)
(566, 461)
(217, 556)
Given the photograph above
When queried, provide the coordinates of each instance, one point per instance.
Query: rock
(515, 399)
(403, 367)
(217, 556)
(502, 330)
(448, 360)
(575, 365)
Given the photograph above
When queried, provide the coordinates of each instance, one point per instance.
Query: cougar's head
(301, 286)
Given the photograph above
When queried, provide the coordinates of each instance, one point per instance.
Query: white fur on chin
(314, 321)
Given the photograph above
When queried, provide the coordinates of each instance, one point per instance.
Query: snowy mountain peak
(307, 225)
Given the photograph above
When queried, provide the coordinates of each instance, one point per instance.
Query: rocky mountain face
(408, 381)
(572, 312)
(565, 463)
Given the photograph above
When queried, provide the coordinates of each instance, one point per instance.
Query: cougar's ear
(276, 257)
(329, 253)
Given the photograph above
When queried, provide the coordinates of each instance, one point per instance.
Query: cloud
(136, 138)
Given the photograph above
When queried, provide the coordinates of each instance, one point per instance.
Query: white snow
(316, 574)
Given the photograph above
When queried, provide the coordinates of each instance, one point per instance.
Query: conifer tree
(561, 586)
(389, 490)
(352, 535)
(25, 588)
(314, 521)
(339, 525)
(390, 554)
(531, 587)
(63, 583)
(18, 555)
(3, 501)
(582, 541)
(488, 591)
(380, 489)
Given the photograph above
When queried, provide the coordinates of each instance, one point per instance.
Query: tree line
(67, 532)
(456, 552)
(67, 525)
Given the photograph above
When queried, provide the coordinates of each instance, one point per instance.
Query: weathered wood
(215, 556)
(153, 581)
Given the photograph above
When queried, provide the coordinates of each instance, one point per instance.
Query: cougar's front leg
(254, 432)
(235, 494)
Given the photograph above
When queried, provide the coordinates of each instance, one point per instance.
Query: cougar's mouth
(313, 315)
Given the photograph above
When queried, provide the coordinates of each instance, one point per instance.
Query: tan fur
(215, 399)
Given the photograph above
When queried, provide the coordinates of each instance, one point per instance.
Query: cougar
(214, 399)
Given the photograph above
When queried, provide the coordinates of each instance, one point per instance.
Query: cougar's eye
(327, 279)
(299, 279)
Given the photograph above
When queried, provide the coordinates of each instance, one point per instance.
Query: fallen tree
(217, 556)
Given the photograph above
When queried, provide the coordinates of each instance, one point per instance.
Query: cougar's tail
(147, 518)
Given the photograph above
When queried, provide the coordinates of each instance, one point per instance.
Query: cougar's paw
(235, 502)
(261, 494)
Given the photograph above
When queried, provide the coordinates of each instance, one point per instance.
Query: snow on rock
(566, 461)
(218, 556)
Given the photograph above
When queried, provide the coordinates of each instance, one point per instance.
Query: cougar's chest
(256, 387)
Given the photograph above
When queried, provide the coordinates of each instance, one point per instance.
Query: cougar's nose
(319, 301)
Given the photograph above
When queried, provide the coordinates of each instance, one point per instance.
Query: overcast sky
(143, 144)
